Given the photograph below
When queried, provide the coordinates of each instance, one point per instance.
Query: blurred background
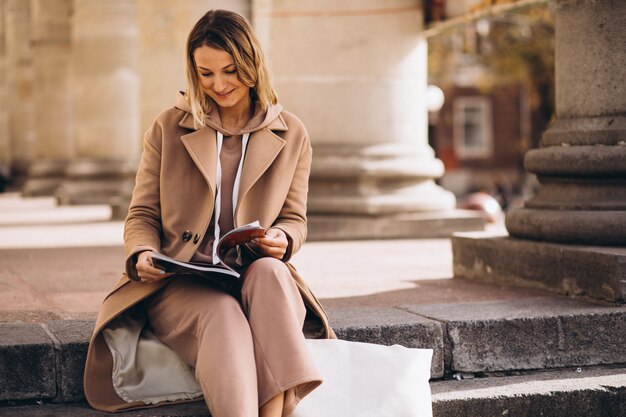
(414, 107)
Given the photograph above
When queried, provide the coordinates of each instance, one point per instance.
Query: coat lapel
(202, 148)
(263, 148)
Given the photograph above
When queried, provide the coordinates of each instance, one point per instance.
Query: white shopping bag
(367, 380)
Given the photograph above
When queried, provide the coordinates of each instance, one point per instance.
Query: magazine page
(239, 236)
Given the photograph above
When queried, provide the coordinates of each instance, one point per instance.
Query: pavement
(60, 262)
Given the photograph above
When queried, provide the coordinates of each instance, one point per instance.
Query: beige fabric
(233, 347)
(144, 368)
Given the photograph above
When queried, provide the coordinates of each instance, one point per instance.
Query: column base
(45, 177)
(380, 192)
(99, 182)
(437, 224)
(372, 180)
(591, 227)
(574, 270)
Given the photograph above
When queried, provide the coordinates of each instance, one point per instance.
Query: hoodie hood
(260, 119)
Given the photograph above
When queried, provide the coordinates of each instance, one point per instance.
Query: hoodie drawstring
(218, 187)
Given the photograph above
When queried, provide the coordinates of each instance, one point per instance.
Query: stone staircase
(498, 351)
(550, 356)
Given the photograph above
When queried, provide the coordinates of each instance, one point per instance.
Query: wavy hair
(229, 32)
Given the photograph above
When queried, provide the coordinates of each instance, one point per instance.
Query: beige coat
(174, 198)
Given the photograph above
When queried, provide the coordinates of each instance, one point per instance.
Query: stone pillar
(19, 78)
(582, 163)
(355, 73)
(106, 103)
(53, 119)
(571, 236)
(5, 149)
(163, 29)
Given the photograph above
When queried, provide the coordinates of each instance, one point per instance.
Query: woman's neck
(236, 117)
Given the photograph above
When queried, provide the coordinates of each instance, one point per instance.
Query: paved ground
(60, 263)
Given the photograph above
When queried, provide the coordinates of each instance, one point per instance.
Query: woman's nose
(219, 84)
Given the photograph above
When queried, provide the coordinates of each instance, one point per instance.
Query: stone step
(586, 392)
(56, 215)
(17, 210)
(597, 272)
(52, 237)
(45, 361)
(13, 201)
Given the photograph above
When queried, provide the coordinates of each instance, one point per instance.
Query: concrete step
(580, 392)
(16, 210)
(597, 272)
(54, 236)
(46, 361)
(57, 215)
(14, 201)
(586, 392)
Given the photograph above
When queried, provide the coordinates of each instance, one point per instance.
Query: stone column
(581, 166)
(5, 149)
(53, 119)
(106, 102)
(19, 79)
(163, 29)
(355, 73)
(582, 163)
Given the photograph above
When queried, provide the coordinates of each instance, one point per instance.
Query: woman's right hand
(146, 271)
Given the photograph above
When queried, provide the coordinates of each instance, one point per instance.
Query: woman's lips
(224, 95)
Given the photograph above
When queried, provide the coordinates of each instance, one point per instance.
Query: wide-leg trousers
(244, 354)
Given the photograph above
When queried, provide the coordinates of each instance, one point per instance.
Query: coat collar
(277, 125)
(263, 148)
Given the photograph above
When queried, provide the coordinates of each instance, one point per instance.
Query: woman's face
(218, 77)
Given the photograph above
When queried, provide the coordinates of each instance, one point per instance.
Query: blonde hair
(229, 32)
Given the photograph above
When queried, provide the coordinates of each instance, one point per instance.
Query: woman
(225, 155)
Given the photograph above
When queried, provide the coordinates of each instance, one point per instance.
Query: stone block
(389, 326)
(594, 272)
(323, 227)
(557, 394)
(27, 362)
(73, 337)
(534, 333)
(194, 409)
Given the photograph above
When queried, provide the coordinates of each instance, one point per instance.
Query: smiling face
(218, 78)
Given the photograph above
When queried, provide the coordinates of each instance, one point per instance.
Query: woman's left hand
(273, 244)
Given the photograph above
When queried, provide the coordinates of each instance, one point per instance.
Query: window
(472, 130)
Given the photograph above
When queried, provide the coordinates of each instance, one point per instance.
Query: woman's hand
(273, 244)
(146, 271)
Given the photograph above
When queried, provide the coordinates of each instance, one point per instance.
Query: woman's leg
(209, 330)
(274, 407)
(276, 312)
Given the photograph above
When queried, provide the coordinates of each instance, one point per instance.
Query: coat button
(186, 236)
(196, 238)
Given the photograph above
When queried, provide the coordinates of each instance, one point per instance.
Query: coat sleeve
(292, 218)
(142, 228)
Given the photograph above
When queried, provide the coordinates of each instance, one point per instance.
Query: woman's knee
(266, 272)
(188, 305)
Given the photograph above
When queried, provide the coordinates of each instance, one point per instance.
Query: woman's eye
(205, 74)
(231, 72)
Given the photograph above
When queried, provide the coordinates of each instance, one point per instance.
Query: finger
(149, 269)
(150, 273)
(154, 277)
(271, 242)
(273, 233)
(275, 251)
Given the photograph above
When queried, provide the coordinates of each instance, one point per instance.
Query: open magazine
(221, 276)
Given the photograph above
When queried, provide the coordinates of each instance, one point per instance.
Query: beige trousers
(244, 354)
